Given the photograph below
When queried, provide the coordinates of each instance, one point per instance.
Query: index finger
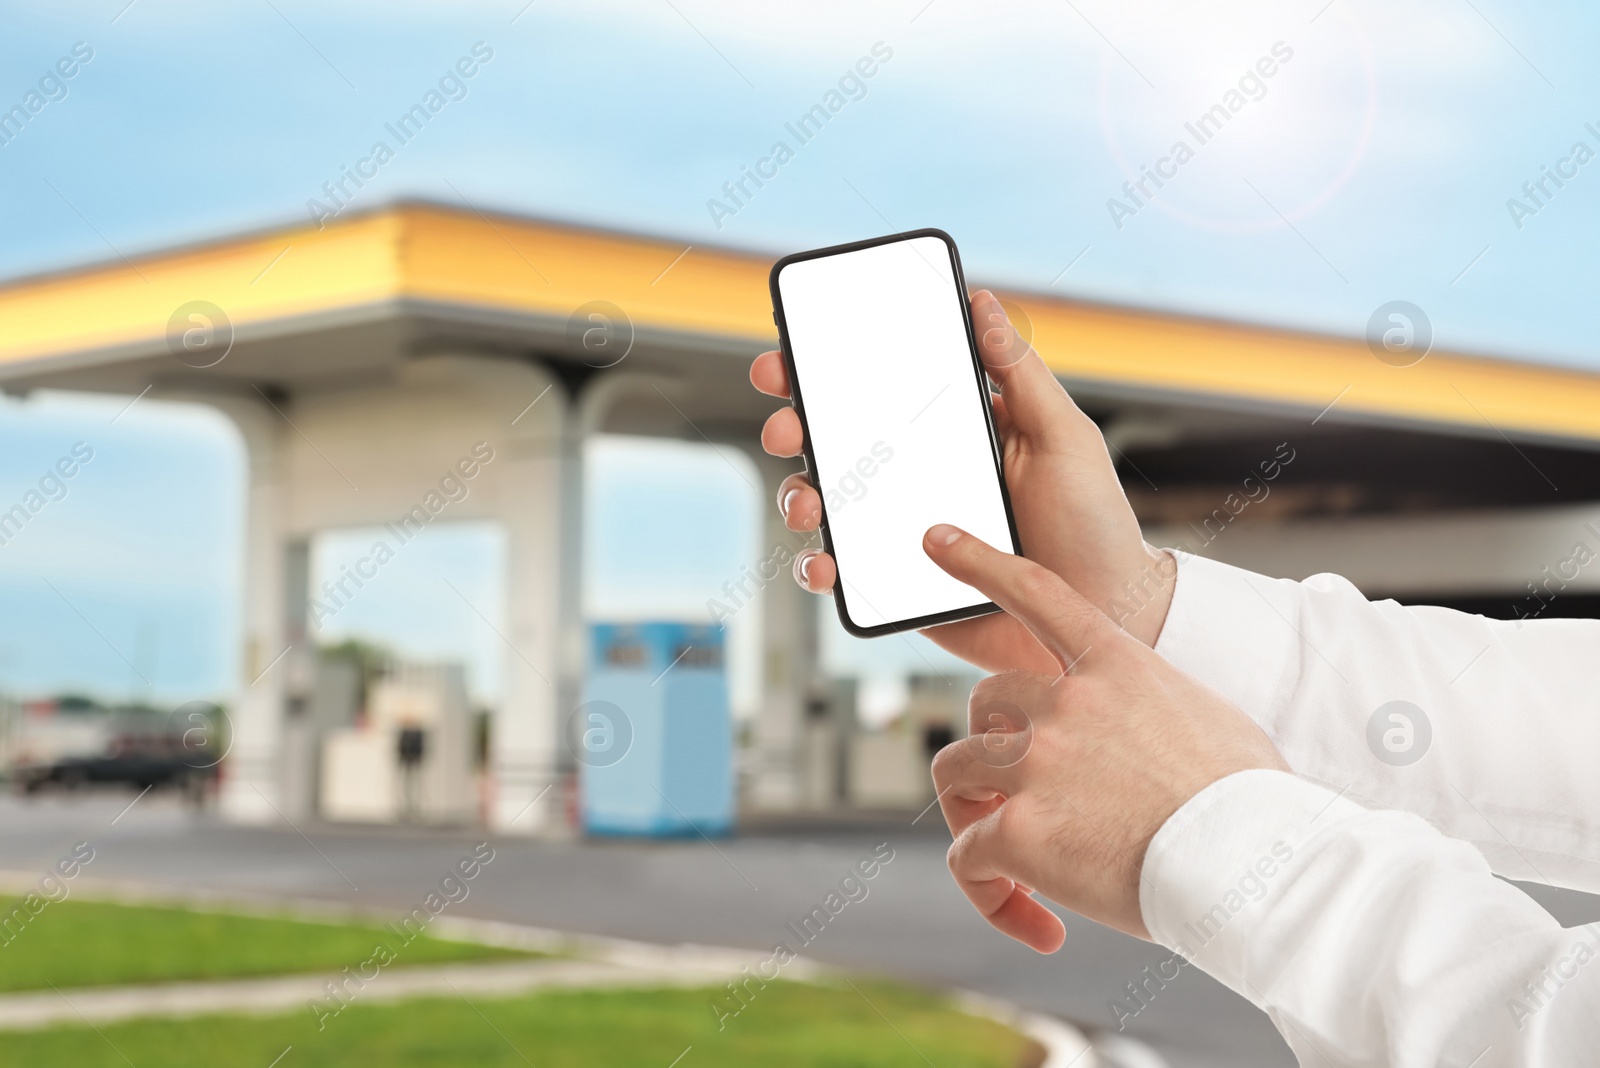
(1036, 597)
(769, 375)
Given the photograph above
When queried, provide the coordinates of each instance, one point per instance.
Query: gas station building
(364, 361)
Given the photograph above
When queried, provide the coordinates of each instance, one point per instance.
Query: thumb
(1038, 598)
(1033, 398)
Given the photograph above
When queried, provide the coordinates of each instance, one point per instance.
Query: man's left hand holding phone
(1069, 507)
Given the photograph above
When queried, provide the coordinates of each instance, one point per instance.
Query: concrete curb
(285, 994)
(1063, 1044)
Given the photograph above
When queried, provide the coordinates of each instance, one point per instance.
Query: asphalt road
(743, 892)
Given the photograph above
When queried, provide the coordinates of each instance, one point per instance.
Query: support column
(790, 661)
(300, 754)
(571, 646)
(546, 539)
(251, 774)
(543, 571)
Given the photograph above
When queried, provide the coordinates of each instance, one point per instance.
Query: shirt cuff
(1221, 862)
(1233, 630)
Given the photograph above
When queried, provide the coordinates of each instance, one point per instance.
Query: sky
(1377, 161)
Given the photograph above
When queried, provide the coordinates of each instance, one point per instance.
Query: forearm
(1370, 938)
(1483, 727)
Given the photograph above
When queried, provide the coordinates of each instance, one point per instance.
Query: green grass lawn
(787, 1025)
(83, 943)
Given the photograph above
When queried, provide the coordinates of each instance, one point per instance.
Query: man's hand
(1071, 513)
(1070, 772)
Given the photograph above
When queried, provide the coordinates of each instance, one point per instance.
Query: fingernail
(787, 501)
(943, 534)
(802, 566)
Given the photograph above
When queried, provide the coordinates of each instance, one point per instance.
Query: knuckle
(1037, 584)
(962, 857)
(1013, 829)
(944, 763)
(955, 856)
(988, 693)
(990, 688)
(1002, 703)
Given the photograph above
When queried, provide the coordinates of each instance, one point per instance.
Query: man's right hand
(1066, 775)
(1071, 513)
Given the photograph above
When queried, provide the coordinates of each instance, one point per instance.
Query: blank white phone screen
(895, 412)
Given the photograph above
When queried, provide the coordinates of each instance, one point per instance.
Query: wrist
(1143, 595)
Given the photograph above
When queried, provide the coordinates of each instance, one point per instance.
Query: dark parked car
(139, 758)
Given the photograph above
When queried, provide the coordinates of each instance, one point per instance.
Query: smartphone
(899, 435)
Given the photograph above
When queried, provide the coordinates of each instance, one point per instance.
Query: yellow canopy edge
(505, 264)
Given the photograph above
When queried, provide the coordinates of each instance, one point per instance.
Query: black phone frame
(795, 391)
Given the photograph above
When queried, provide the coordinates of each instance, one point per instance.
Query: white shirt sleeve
(1368, 937)
(1489, 729)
